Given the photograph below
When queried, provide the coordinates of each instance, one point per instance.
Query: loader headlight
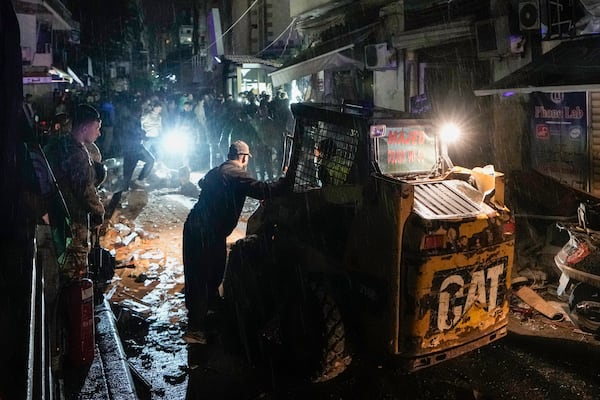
(449, 132)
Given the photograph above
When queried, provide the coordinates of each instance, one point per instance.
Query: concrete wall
(240, 37)
(259, 27)
(509, 130)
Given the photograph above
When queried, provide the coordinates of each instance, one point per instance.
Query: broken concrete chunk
(127, 240)
(123, 229)
(141, 233)
(136, 307)
(137, 199)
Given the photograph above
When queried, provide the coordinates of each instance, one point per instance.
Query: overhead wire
(289, 27)
(231, 27)
(287, 41)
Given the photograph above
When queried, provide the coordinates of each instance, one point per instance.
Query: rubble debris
(135, 307)
(153, 255)
(165, 286)
(151, 277)
(132, 326)
(136, 199)
(129, 238)
(121, 266)
(126, 260)
(142, 233)
(117, 242)
(526, 312)
(537, 277)
(122, 229)
(135, 298)
(175, 379)
(189, 189)
(533, 299)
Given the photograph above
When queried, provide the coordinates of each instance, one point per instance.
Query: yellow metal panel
(457, 298)
(405, 207)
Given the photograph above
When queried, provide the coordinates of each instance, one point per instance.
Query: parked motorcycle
(579, 263)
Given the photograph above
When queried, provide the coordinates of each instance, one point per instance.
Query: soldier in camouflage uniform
(73, 168)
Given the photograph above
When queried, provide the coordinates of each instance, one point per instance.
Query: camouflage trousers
(74, 263)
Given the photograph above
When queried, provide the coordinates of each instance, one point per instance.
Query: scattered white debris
(136, 307)
(153, 255)
(123, 229)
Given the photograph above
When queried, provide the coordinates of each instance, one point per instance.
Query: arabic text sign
(406, 149)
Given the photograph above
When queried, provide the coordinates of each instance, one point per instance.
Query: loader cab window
(402, 150)
(327, 156)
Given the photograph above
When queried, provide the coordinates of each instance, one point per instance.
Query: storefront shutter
(595, 142)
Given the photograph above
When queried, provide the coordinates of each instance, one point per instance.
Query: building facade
(490, 65)
(49, 38)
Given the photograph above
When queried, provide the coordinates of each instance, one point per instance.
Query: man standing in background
(75, 175)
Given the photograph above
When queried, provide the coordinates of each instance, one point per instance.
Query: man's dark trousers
(204, 257)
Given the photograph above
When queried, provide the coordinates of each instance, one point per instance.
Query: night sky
(157, 12)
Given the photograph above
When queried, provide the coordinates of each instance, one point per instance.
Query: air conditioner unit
(492, 37)
(529, 15)
(379, 57)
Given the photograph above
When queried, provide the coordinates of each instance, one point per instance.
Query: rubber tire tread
(239, 285)
(335, 357)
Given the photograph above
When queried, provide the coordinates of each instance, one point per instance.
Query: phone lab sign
(559, 138)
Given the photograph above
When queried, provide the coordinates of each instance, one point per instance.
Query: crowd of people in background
(133, 125)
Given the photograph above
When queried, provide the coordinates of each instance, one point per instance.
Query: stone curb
(114, 361)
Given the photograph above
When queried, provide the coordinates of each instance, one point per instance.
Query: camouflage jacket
(75, 176)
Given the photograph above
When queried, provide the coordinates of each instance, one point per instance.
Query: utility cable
(231, 27)
(280, 35)
(287, 41)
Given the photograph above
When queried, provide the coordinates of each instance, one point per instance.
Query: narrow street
(540, 359)
(441, 194)
(147, 292)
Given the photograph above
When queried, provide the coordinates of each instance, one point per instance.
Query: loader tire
(314, 334)
(242, 298)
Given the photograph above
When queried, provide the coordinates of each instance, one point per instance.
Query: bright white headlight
(449, 132)
(176, 141)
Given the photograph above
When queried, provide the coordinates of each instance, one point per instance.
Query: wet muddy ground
(147, 292)
(147, 298)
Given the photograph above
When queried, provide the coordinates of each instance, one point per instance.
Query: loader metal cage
(334, 141)
(324, 145)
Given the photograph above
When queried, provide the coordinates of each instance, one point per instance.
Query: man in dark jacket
(211, 220)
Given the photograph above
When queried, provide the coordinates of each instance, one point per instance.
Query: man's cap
(237, 148)
(83, 114)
